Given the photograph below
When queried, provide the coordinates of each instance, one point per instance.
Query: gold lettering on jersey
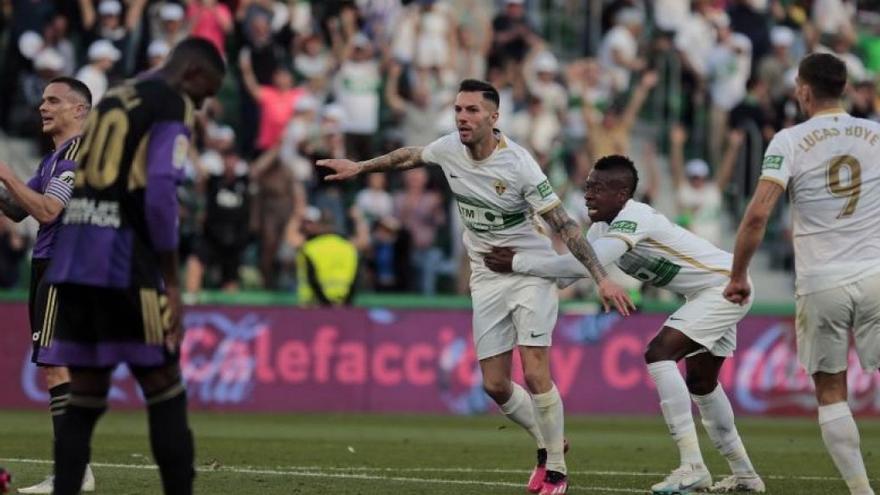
(817, 136)
(860, 132)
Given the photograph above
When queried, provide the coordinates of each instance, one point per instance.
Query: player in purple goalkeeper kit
(63, 111)
(114, 272)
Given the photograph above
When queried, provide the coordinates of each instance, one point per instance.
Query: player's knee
(498, 389)
(655, 353)
(537, 381)
(55, 375)
(698, 385)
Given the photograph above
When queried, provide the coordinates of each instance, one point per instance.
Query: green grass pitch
(400, 454)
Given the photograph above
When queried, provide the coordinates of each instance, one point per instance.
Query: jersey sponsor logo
(500, 187)
(772, 162)
(625, 226)
(86, 211)
(544, 189)
(67, 177)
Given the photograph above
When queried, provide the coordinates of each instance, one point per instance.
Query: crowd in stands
(704, 83)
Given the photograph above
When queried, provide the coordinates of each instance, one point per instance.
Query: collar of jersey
(829, 111)
(502, 143)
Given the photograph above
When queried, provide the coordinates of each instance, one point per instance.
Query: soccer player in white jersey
(498, 186)
(830, 165)
(646, 245)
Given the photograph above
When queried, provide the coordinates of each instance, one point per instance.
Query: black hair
(477, 86)
(824, 73)
(200, 49)
(76, 86)
(620, 163)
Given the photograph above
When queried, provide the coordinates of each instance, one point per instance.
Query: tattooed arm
(749, 236)
(399, 159)
(571, 234)
(10, 207)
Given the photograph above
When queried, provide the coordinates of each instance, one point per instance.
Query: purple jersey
(54, 177)
(123, 212)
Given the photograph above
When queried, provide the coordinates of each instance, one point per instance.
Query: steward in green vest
(326, 264)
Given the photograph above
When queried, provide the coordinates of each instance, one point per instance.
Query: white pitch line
(324, 474)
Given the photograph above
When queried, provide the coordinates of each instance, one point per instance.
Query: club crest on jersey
(500, 187)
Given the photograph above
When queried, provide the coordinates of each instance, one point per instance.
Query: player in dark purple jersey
(66, 103)
(114, 274)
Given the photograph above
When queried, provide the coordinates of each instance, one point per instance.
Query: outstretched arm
(749, 236)
(43, 207)
(399, 159)
(571, 234)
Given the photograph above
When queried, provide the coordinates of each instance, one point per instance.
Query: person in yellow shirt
(326, 264)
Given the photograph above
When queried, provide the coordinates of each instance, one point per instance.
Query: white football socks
(551, 421)
(519, 409)
(717, 416)
(841, 437)
(676, 406)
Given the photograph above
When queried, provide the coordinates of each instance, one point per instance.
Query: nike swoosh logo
(453, 176)
(682, 486)
(536, 335)
(676, 319)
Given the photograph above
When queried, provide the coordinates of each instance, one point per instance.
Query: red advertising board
(290, 359)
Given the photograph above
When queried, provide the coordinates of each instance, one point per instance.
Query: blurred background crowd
(692, 90)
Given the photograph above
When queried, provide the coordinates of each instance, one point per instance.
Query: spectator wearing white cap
(24, 117)
(729, 66)
(698, 194)
(157, 51)
(171, 26)
(102, 55)
(773, 66)
(113, 23)
(618, 51)
(541, 72)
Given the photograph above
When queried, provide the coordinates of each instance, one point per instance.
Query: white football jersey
(662, 253)
(496, 197)
(830, 165)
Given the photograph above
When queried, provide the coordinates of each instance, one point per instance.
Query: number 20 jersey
(830, 165)
(124, 209)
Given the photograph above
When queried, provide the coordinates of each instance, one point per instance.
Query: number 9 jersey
(123, 210)
(830, 165)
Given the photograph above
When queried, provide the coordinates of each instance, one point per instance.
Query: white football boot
(688, 478)
(739, 484)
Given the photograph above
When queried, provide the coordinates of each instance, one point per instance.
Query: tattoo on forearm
(399, 159)
(10, 207)
(574, 239)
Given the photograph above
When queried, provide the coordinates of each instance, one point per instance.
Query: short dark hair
(824, 73)
(620, 163)
(477, 86)
(194, 48)
(76, 86)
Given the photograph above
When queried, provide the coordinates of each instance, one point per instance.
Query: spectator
(618, 52)
(172, 28)
(55, 33)
(698, 194)
(225, 229)
(303, 128)
(211, 20)
(754, 118)
(511, 33)
(541, 80)
(102, 56)
(271, 211)
(275, 101)
(729, 66)
(436, 42)
(474, 41)
(773, 67)
(48, 64)
(327, 263)
(387, 259)
(418, 117)
(537, 129)
(745, 19)
(863, 98)
(834, 18)
(356, 88)
(694, 41)
(609, 134)
(671, 15)
(109, 24)
(374, 201)
(311, 59)
(421, 213)
(157, 51)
